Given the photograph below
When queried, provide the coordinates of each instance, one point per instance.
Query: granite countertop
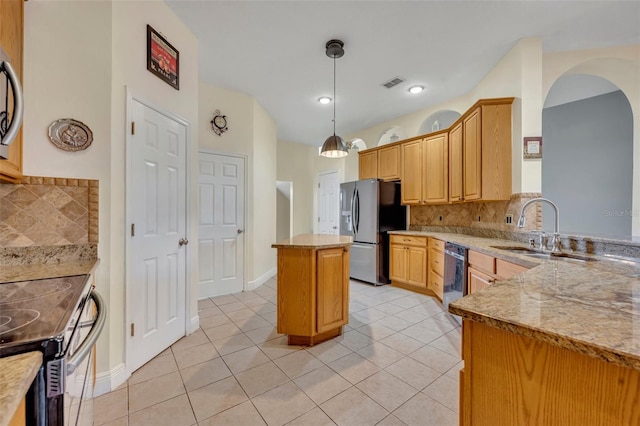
(589, 307)
(38, 271)
(314, 241)
(17, 374)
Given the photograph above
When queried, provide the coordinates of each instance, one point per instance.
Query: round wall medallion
(70, 135)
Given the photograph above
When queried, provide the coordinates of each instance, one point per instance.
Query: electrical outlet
(478, 218)
(509, 219)
(440, 218)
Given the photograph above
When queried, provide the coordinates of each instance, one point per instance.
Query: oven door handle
(86, 346)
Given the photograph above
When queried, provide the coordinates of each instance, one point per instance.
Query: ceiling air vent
(393, 82)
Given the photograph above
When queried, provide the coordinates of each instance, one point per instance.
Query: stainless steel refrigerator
(368, 210)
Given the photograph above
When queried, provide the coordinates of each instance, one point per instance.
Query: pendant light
(334, 146)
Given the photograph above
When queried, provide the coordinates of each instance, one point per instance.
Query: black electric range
(53, 316)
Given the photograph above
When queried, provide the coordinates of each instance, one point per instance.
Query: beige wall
(252, 134)
(101, 50)
(295, 161)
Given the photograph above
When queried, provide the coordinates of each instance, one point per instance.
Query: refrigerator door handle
(357, 209)
(353, 212)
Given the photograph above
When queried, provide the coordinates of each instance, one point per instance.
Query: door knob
(183, 242)
(240, 231)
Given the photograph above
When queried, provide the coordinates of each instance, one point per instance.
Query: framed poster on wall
(162, 58)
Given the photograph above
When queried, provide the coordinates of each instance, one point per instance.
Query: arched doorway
(587, 164)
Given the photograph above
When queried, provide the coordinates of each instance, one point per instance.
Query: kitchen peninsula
(558, 344)
(313, 287)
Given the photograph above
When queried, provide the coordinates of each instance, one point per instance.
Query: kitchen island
(18, 372)
(558, 344)
(313, 287)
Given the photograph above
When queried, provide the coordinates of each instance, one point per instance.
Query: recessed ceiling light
(324, 100)
(415, 89)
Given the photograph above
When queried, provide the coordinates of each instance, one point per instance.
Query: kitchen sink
(545, 255)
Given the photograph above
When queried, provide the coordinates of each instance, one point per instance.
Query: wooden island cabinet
(313, 287)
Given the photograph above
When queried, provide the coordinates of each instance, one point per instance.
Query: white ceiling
(275, 51)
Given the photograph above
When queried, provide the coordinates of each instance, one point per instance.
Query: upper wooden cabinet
(470, 161)
(389, 163)
(455, 163)
(435, 183)
(368, 165)
(380, 163)
(411, 173)
(11, 40)
(424, 171)
(480, 153)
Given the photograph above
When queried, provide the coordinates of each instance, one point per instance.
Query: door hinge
(133, 127)
(318, 219)
(318, 185)
(133, 329)
(133, 229)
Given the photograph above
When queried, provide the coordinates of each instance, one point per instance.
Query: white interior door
(328, 204)
(221, 191)
(157, 305)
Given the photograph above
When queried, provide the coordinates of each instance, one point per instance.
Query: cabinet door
(389, 163)
(11, 41)
(472, 155)
(436, 166)
(477, 280)
(455, 163)
(332, 288)
(417, 266)
(397, 263)
(411, 172)
(368, 165)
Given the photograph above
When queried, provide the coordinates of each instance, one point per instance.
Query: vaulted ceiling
(274, 51)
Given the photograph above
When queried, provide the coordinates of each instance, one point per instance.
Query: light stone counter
(588, 307)
(314, 241)
(16, 375)
(42, 270)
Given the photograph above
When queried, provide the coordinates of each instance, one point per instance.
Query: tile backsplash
(492, 214)
(43, 211)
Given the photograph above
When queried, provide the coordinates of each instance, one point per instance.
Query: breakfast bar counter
(16, 374)
(313, 287)
(557, 344)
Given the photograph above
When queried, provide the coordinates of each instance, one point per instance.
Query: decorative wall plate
(219, 123)
(70, 135)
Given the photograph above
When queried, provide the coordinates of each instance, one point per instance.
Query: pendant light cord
(334, 95)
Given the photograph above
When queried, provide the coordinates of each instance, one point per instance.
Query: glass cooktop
(38, 310)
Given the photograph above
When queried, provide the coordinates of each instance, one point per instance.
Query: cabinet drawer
(436, 284)
(506, 269)
(436, 244)
(436, 261)
(482, 262)
(408, 240)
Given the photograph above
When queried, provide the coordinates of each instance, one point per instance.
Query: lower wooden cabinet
(435, 281)
(484, 270)
(511, 379)
(19, 417)
(313, 293)
(408, 262)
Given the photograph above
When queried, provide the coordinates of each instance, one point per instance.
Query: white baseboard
(252, 285)
(110, 380)
(195, 324)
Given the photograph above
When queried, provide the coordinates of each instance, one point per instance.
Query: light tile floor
(397, 363)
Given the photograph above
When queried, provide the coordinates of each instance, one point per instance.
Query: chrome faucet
(555, 239)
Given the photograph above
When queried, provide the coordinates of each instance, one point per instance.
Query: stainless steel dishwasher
(455, 274)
